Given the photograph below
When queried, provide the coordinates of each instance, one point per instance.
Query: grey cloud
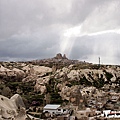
(105, 46)
(33, 29)
(104, 17)
(82, 48)
(28, 45)
(19, 15)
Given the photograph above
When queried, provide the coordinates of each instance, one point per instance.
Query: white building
(111, 114)
(55, 109)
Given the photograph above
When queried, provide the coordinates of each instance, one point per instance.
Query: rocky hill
(57, 80)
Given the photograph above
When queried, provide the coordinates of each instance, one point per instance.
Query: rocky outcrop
(12, 108)
(40, 84)
(59, 56)
(17, 100)
(35, 72)
(35, 69)
(64, 56)
(15, 72)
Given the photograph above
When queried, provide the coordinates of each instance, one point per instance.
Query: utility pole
(99, 61)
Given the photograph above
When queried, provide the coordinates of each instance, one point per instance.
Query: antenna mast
(99, 61)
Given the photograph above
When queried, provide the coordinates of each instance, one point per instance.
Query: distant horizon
(101, 63)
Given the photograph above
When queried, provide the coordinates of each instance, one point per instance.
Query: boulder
(17, 100)
(12, 108)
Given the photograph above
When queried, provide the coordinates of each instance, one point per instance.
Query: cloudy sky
(81, 29)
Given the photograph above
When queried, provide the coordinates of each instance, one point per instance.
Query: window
(64, 110)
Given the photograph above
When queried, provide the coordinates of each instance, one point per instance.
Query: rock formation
(59, 56)
(12, 108)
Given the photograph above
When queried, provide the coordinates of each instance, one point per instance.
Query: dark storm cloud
(34, 29)
(34, 45)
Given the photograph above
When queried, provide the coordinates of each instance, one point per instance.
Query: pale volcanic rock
(66, 70)
(64, 92)
(3, 69)
(72, 74)
(40, 84)
(17, 100)
(43, 80)
(30, 78)
(36, 71)
(6, 72)
(40, 88)
(95, 74)
(26, 68)
(12, 108)
(18, 71)
(67, 91)
(42, 69)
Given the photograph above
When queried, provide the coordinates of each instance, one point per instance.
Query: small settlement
(99, 106)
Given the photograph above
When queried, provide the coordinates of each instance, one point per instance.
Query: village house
(111, 114)
(55, 109)
(85, 113)
(115, 98)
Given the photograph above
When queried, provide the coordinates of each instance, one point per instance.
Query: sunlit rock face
(12, 108)
(35, 69)
(13, 72)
